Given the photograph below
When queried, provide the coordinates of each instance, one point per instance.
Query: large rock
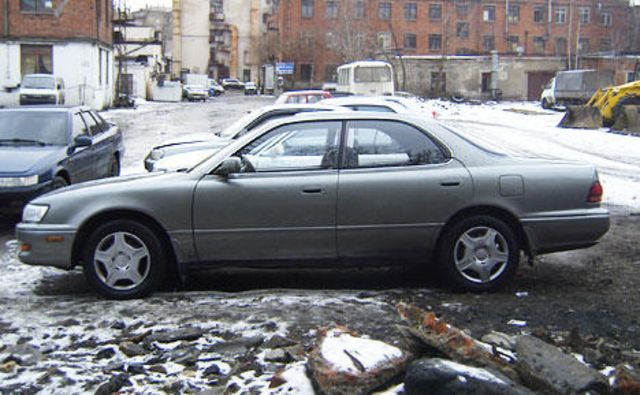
(188, 334)
(343, 363)
(627, 381)
(435, 376)
(546, 368)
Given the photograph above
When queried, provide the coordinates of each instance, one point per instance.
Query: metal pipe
(6, 18)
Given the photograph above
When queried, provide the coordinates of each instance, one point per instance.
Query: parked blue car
(45, 148)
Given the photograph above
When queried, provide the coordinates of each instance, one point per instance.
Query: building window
(36, 59)
(538, 14)
(435, 12)
(410, 41)
(330, 73)
(462, 10)
(630, 76)
(330, 40)
(606, 45)
(435, 42)
(514, 13)
(306, 40)
(561, 15)
(512, 44)
(410, 11)
(584, 15)
(462, 29)
(605, 18)
(384, 10)
(538, 45)
(332, 9)
(561, 46)
(306, 72)
(488, 43)
(39, 6)
(384, 40)
(307, 8)
(489, 13)
(438, 83)
(360, 9)
(583, 45)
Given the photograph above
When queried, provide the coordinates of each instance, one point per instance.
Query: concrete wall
(78, 64)
(464, 74)
(195, 35)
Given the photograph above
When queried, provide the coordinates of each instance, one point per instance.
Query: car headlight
(156, 154)
(9, 182)
(34, 212)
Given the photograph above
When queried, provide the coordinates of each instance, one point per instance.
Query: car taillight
(595, 193)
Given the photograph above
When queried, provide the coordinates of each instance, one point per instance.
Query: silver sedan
(327, 187)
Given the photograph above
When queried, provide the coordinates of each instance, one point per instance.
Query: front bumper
(570, 230)
(33, 99)
(13, 200)
(48, 245)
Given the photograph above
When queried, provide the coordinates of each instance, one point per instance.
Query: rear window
(46, 127)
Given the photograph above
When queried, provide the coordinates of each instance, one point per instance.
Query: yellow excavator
(617, 107)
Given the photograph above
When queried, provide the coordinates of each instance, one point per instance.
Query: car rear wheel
(124, 259)
(479, 253)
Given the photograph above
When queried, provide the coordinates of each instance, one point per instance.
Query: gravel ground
(593, 290)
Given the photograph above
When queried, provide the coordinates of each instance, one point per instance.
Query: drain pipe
(6, 18)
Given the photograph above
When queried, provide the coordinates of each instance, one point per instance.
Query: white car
(189, 150)
(370, 103)
(41, 89)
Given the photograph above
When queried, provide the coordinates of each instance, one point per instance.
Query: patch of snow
(470, 371)
(338, 348)
(394, 390)
(517, 323)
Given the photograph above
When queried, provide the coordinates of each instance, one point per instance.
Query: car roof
(46, 108)
(305, 92)
(301, 106)
(366, 101)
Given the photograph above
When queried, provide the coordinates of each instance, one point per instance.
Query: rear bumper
(49, 245)
(564, 231)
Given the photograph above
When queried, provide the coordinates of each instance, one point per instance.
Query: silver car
(336, 187)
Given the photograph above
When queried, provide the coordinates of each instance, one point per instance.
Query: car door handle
(312, 189)
(450, 183)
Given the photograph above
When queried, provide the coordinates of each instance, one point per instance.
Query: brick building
(71, 39)
(318, 35)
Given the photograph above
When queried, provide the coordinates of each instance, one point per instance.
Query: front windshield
(38, 82)
(238, 126)
(30, 127)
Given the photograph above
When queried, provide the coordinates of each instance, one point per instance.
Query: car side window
(102, 124)
(300, 146)
(389, 143)
(79, 127)
(91, 123)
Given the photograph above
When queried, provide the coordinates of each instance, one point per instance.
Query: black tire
(452, 245)
(114, 167)
(59, 182)
(545, 104)
(136, 234)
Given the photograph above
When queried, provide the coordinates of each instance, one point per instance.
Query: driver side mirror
(228, 166)
(80, 141)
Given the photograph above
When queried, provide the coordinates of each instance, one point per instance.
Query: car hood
(29, 159)
(111, 183)
(190, 138)
(184, 160)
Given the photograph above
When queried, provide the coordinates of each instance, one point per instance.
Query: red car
(302, 97)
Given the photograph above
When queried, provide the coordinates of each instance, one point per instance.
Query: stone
(343, 363)
(131, 349)
(106, 353)
(24, 354)
(136, 368)
(236, 346)
(212, 370)
(435, 376)
(627, 381)
(120, 325)
(46, 377)
(188, 334)
(8, 367)
(158, 369)
(278, 355)
(113, 366)
(114, 384)
(68, 322)
(500, 339)
(278, 341)
(544, 367)
(185, 356)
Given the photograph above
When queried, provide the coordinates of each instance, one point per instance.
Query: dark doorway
(536, 81)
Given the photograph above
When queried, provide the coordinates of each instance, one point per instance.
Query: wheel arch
(84, 232)
(62, 172)
(498, 212)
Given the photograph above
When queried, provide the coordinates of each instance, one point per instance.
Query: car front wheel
(479, 253)
(124, 259)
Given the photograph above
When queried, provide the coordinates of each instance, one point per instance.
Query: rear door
(80, 162)
(396, 189)
(103, 143)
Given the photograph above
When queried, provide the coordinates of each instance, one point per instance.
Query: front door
(281, 206)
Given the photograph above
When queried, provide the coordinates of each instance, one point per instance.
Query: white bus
(366, 78)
